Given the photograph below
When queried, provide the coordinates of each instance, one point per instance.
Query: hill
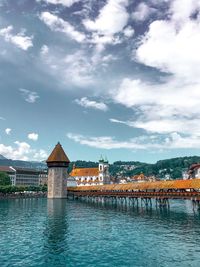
(173, 167)
(2, 157)
(21, 163)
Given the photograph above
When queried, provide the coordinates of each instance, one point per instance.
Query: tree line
(7, 188)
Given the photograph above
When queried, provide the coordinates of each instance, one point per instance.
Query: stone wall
(57, 182)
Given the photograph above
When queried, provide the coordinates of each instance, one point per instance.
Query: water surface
(60, 233)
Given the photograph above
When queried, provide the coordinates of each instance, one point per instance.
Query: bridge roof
(175, 184)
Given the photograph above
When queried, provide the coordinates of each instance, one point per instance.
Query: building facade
(23, 176)
(92, 176)
(43, 177)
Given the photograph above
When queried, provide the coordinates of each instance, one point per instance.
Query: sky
(119, 78)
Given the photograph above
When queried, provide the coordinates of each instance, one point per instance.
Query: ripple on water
(60, 233)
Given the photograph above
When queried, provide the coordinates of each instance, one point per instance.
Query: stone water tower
(57, 163)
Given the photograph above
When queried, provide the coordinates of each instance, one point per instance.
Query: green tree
(4, 179)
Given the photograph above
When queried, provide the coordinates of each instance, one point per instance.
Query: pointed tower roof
(58, 155)
(106, 160)
(101, 159)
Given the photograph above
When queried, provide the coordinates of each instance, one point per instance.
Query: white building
(92, 176)
(23, 176)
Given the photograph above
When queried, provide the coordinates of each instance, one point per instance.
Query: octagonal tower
(57, 163)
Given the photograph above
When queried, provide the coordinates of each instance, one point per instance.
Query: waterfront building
(92, 176)
(26, 177)
(43, 177)
(57, 163)
(23, 176)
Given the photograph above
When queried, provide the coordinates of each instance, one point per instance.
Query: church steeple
(101, 160)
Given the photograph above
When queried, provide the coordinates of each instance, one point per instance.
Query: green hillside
(173, 167)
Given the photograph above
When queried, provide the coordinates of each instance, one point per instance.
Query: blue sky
(116, 77)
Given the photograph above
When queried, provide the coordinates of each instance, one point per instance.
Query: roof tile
(58, 155)
(85, 172)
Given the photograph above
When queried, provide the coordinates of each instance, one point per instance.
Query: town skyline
(118, 78)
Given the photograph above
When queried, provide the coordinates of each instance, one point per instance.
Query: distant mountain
(2, 157)
(21, 163)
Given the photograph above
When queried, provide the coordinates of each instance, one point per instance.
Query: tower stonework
(57, 163)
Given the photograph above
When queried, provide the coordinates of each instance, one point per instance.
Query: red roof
(84, 172)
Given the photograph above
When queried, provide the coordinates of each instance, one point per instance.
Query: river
(67, 233)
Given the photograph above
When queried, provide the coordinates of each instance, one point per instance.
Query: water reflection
(179, 211)
(60, 233)
(55, 233)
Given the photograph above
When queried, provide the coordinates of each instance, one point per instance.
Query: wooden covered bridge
(161, 191)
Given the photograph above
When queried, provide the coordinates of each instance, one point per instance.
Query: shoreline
(23, 195)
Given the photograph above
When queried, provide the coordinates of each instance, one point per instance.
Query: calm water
(40, 232)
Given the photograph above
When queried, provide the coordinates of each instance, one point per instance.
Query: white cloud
(78, 69)
(170, 104)
(86, 103)
(161, 108)
(72, 70)
(8, 131)
(181, 10)
(33, 136)
(111, 20)
(142, 12)
(144, 142)
(22, 151)
(171, 49)
(2, 118)
(20, 39)
(128, 31)
(114, 12)
(66, 3)
(44, 50)
(59, 25)
(40, 154)
(104, 142)
(29, 96)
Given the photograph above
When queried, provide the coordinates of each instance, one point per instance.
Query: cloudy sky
(114, 77)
